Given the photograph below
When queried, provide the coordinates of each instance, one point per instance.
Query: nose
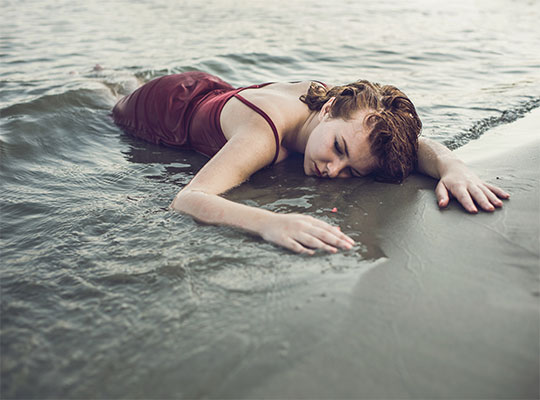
(334, 168)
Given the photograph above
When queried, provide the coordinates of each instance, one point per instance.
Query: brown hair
(394, 125)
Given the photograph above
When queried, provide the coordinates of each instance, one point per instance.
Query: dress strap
(266, 117)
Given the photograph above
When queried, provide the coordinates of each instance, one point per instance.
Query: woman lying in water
(344, 131)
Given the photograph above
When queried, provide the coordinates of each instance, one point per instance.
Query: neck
(298, 138)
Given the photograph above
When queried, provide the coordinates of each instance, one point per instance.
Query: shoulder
(279, 101)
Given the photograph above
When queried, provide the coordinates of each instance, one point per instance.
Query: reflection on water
(107, 293)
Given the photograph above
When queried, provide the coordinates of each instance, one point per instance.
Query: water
(105, 293)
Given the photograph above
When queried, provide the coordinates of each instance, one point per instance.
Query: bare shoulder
(279, 101)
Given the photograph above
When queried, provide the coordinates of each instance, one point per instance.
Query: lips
(317, 170)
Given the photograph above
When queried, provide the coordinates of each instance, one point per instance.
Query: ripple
(105, 293)
(480, 127)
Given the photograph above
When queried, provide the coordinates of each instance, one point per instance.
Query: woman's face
(338, 148)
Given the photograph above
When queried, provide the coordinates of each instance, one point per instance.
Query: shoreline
(452, 309)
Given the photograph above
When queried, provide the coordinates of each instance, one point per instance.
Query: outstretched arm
(456, 179)
(244, 154)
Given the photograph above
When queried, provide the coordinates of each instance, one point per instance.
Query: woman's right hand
(304, 234)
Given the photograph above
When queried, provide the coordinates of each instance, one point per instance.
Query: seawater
(106, 293)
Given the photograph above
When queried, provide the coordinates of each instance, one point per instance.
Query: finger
(481, 199)
(298, 248)
(498, 191)
(344, 237)
(491, 197)
(315, 243)
(442, 195)
(335, 230)
(331, 238)
(463, 196)
(344, 240)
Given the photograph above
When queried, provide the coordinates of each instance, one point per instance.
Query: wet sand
(450, 311)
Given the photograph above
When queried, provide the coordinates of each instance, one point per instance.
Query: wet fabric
(182, 110)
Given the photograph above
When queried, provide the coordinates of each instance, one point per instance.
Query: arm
(456, 179)
(244, 154)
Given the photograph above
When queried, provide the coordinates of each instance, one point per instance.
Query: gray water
(104, 292)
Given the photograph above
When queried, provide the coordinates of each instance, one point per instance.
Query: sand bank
(451, 311)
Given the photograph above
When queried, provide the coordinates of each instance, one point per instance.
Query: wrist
(258, 221)
(449, 163)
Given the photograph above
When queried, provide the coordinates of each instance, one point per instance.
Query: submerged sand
(450, 311)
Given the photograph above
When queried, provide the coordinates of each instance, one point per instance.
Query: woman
(344, 131)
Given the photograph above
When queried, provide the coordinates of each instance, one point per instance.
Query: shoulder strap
(266, 117)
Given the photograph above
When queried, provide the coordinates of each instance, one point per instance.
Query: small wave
(57, 127)
(76, 98)
(480, 127)
(260, 58)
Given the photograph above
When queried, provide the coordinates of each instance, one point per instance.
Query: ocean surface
(105, 293)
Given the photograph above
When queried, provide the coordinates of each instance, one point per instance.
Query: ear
(325, 109)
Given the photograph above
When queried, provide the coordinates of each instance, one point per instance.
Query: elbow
(192, 202)
(174, 204)
(199, 205)
(179, 201)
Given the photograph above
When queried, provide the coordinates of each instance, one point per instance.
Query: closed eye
(337, 147)
(354, 172)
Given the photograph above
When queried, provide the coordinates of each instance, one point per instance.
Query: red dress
(182, 110)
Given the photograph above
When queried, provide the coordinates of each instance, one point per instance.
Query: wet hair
(392, 122)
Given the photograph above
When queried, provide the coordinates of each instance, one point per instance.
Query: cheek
(319, 138)
(344, 174)
(312, 147)
(373, 164)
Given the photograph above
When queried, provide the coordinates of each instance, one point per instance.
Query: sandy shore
(452, 309)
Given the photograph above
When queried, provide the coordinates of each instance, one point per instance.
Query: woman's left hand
(467, 188)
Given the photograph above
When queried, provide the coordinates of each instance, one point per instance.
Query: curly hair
(392, 122)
